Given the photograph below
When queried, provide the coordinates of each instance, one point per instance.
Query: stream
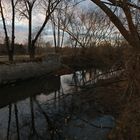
(48, 108)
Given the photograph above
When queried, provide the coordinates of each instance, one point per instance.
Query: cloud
(21, 33)
(21, 29)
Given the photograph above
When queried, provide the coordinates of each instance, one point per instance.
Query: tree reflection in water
(47, 104)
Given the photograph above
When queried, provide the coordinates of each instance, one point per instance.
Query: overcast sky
(22, 25)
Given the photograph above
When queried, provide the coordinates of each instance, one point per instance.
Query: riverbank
(105, 100)
(117, 100)
(23, 69)
(62, 114)
(10, 73)
(92, 112)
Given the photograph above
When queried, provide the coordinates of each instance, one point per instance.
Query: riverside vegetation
(108, 88)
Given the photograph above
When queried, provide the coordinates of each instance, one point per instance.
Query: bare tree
(86, 27)
(9, 45)
(48, 8)
(59, 18)
(129, 32)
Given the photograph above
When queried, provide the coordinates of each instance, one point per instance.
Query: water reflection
(22, 90)
(36, 109)
(18, 119)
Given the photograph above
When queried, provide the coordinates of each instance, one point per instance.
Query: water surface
(38, 109)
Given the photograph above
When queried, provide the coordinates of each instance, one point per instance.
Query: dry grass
(113, 100)
(128, 125)
(108, 98)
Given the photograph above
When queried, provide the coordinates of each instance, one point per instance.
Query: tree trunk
(32, 53)
(12, 46)
(11, 56)
(32, 50)
(5, 30)
(130, 35)
(30, 35)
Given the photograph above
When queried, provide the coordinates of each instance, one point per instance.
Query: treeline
(69, 23)
(104, 57)
(13, 10)
(83, 28)
(19, 49)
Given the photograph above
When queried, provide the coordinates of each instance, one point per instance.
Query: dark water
(38, 109)
(30, 109)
